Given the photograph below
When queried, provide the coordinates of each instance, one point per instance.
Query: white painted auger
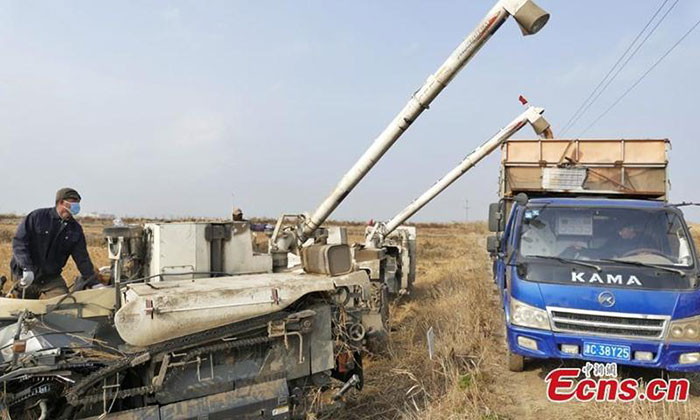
(389, 249)
(531, 115)
(529, 17)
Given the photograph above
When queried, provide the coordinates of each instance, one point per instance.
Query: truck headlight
(528, 316)
(684, 329)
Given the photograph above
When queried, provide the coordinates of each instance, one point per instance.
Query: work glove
(27, 279)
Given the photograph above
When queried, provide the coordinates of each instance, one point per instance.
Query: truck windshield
(647, 236)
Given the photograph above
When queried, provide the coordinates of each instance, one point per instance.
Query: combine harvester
(196, 324)
(389, 251)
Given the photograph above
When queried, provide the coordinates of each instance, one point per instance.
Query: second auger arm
(388, 252)
(531, 115)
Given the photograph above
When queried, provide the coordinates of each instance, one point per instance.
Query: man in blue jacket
(43, 242)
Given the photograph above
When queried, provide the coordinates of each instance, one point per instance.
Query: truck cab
(591, 274)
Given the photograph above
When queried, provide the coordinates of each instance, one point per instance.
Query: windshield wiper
(641, 264)
(566, 261)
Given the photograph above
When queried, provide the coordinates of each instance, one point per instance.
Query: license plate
(610, 351)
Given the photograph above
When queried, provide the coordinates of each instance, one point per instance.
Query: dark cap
(67, 194)
(632, 224)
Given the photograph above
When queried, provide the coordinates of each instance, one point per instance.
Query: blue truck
(590, 260)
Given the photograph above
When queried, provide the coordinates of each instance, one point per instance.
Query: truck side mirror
(492, 244)
(521, 199)
(496, 219)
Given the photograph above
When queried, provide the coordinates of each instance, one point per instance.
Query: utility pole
(466, 210)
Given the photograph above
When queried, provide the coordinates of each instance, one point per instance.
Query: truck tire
(516, 362)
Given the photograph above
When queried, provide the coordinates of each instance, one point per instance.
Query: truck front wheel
(516, 362)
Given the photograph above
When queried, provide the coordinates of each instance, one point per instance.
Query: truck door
(500, 269)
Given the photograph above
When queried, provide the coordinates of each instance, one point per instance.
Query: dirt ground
(467, 378)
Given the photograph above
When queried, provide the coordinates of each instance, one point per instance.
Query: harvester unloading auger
(388, 252)
(529, 17)
(197, 324)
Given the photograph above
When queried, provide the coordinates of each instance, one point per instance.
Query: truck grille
(607, 323)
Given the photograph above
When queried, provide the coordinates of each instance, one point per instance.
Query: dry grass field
(467, 378)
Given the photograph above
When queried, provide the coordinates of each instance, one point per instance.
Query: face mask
(73, 208)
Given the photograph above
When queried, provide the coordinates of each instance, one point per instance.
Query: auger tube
(531, 115)
(530, 18)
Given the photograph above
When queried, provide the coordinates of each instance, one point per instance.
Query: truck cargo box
(625, 168)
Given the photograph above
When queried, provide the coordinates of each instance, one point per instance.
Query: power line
(571, 121)
(630, 57)
(658, 61)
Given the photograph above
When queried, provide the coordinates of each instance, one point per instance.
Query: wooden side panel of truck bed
(614, 167)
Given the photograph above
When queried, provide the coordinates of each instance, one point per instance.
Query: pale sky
(188, 108)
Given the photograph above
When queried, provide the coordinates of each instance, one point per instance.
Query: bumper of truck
(665, 355)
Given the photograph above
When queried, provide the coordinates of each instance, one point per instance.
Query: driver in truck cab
(44, 240)
(630, 237)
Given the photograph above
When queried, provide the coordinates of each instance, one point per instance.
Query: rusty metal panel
(321, 341)
(603, 179)
(599, 152)
(645, 179)
(523, 179)
(613, 167)
(555, 149)
(592, 151)
(521, 151)
(268, 400)
(638, 151)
